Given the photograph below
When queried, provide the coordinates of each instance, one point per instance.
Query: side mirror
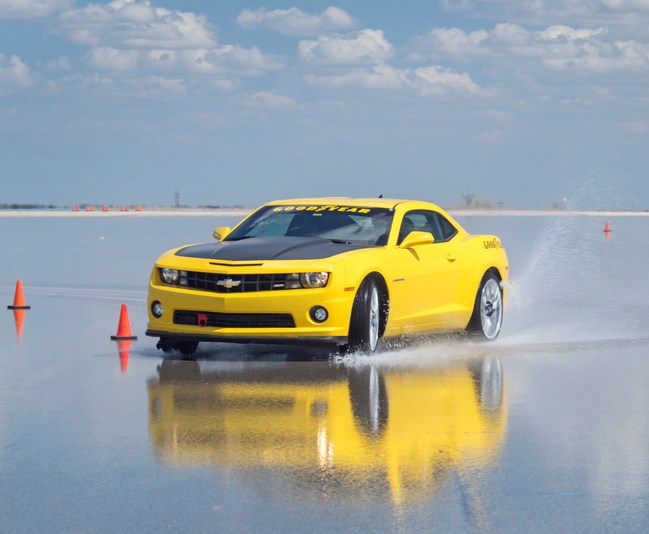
(221, 232)
(417, 238)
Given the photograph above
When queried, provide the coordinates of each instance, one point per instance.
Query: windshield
(355, 225)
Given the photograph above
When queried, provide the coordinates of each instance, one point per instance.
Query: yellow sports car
(333, 271)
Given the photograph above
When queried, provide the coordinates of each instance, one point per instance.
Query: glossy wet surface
(544, 430)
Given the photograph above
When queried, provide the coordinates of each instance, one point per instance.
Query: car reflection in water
(324, 431)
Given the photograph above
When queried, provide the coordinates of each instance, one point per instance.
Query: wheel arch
(496, 272)
(481, 277)
(493, 270)
(474, 283)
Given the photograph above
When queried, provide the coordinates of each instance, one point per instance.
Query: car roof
(348, 201)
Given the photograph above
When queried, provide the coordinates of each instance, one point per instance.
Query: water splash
(574, 284)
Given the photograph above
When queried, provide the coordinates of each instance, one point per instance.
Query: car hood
(268, 248)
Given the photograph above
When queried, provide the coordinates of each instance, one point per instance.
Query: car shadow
(231, 352)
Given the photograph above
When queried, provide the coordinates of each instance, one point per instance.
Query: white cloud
(640, 5)
(131, 38)
(512, 35)
(19, 9)
(133, 24)
(635, 127)
(14, 73)
(450, 41)
(453, 6)
(457, 44)
(576, 7)
(127, 85)
(576, 102)
(492, 137)
(112, 59)
(268, 100)
(377, 77)
(220, 60)
(603, 58)
(294, 21)
(433, 80)
(247, 61)
(557, 47)
(570, 34)
(537, 12)
(60, 64)
(362, 47)
(498, 115)
(438, 80)
(167, 85)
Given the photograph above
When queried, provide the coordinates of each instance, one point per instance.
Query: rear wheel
(487, 317)
(365, 321)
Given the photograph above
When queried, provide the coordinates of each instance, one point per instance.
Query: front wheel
(186, 348)
(364, 324)
(487, 318)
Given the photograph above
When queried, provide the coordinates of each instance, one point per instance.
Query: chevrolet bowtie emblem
(228, 283)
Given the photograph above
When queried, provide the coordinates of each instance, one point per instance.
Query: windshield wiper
(238, 238)
(340, 241)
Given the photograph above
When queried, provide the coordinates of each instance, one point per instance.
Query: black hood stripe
(268, 248)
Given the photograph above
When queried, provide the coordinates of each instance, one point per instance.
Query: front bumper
(181, 303)
(261, 340)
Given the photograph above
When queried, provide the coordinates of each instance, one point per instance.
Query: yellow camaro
(333, 271)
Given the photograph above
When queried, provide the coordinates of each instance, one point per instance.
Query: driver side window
(407, 226)
(426, 221)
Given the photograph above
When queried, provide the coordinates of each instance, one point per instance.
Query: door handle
(451, 257)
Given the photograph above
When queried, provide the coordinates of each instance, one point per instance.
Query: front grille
(239, 283)
(234, 320)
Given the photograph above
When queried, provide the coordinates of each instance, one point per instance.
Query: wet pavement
(544, 430)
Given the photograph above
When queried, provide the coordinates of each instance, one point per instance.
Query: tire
(186, 348)
(164, 345)
(364, 326)
(487, 318)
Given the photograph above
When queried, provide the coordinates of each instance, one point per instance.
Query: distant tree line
(218, 207)
(26, 206)
(472, 201)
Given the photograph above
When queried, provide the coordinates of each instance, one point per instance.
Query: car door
(426, 276)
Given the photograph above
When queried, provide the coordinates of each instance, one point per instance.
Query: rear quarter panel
(479, 254)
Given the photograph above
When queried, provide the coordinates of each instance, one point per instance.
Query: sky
(515, 103)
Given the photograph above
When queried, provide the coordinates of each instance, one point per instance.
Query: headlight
(314, 279)
(173, 276)
(169, 276)
(299, 281)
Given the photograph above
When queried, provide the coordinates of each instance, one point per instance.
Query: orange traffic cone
(124, 350)
(124, 327)
(19, 300)
(607, 227)
(19, 317)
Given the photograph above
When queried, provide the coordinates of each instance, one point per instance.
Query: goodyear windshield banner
(328, 208)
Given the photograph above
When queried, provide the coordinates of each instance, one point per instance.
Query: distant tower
(177, 198)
